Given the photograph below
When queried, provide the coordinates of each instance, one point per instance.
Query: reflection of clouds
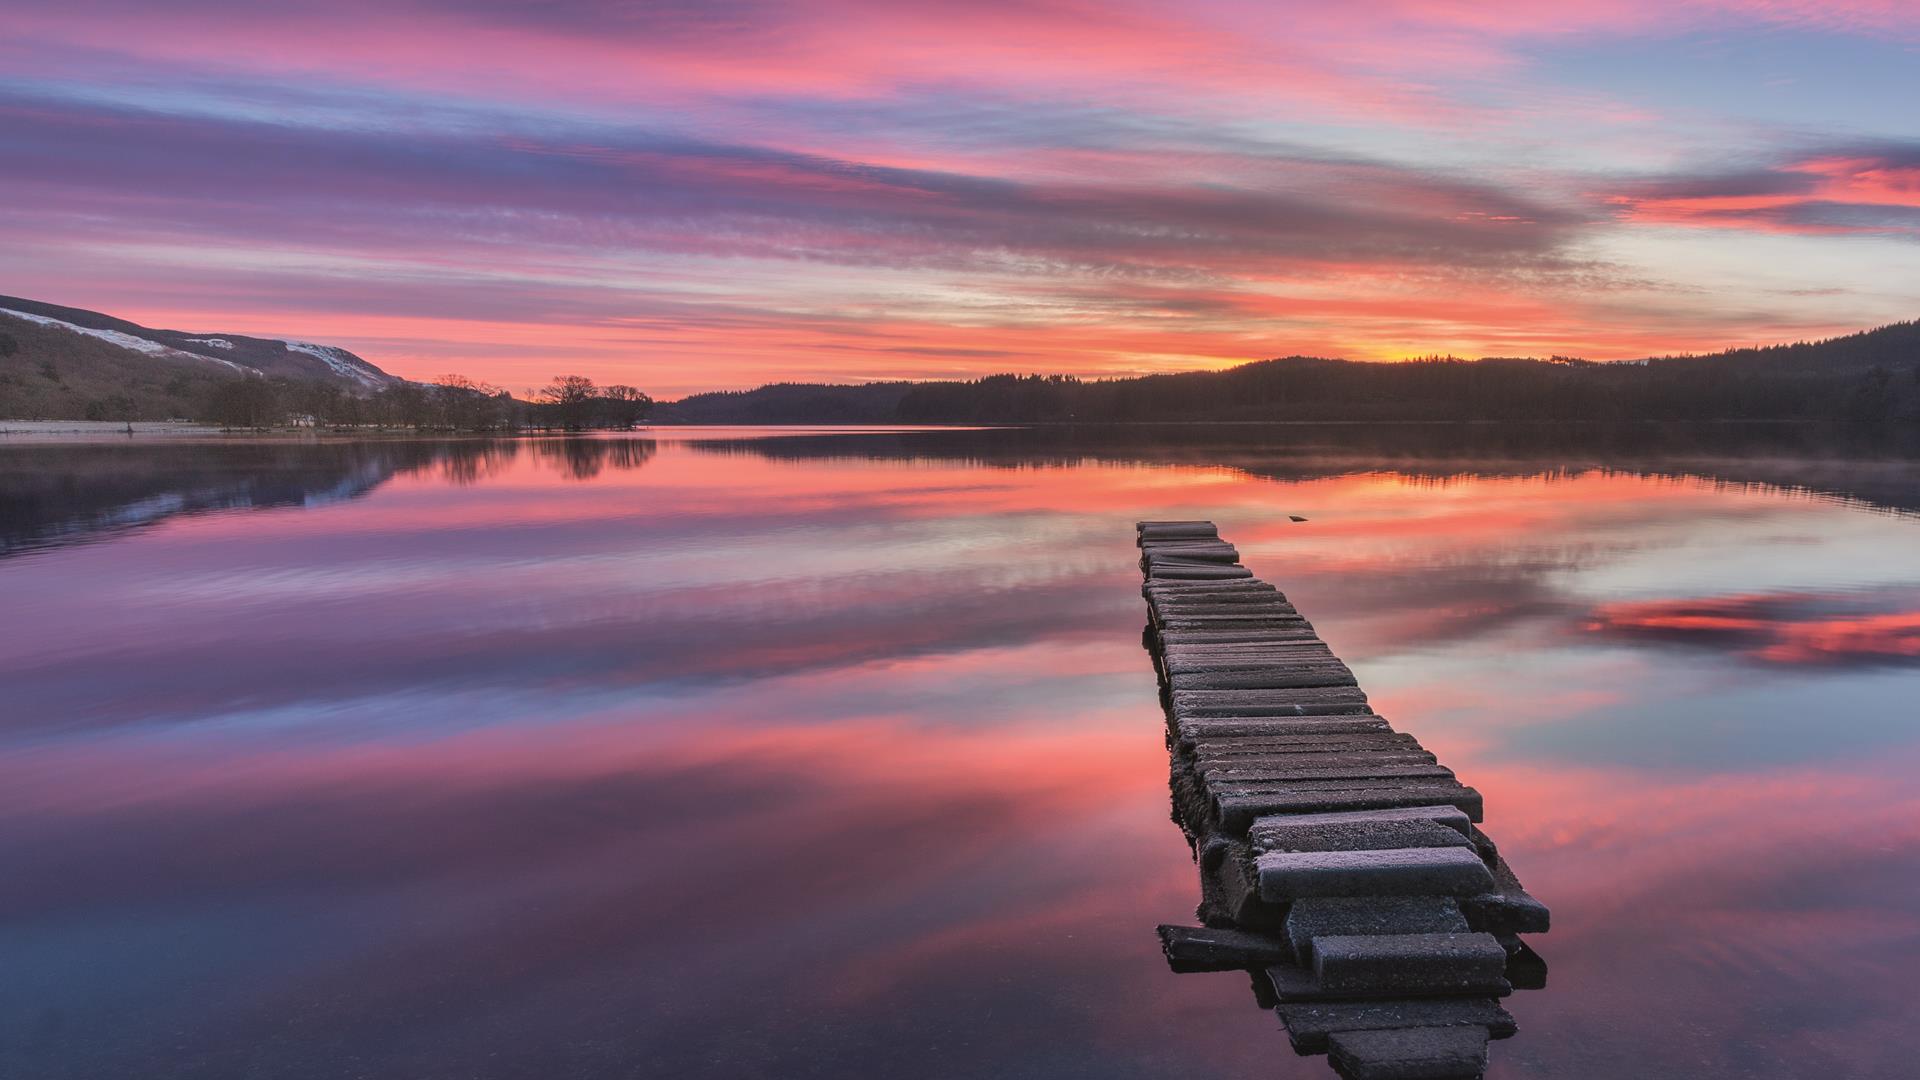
(1755, 914)
(666, 643)
(838, 891)
(1812, 629)
(849, 757)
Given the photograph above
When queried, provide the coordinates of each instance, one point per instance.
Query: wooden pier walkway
(1340, 863)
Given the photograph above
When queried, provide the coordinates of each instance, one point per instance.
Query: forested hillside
(1873, 375)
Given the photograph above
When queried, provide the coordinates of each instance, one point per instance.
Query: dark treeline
(783, 403)
(1872, 376)
(453, 403)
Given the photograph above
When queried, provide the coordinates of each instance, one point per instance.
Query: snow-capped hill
(123, 340)
(344, 364)
(234, 354)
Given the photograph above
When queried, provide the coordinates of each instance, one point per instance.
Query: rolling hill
(1873, 375)
(69, 363)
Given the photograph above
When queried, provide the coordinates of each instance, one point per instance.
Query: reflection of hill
(1877, 466)
(62, 494)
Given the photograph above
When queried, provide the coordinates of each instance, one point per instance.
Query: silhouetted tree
(626, 405)
(571, 397)
(470, 405)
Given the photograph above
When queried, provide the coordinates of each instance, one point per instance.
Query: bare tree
(469, 404)
(626, 405)
(572, 397)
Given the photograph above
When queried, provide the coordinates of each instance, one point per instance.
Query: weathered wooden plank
(1449, 816)
(1264, 678)
(1317, 916)
(1279, 647)
(1292, 982)
(1210, 550)
(1394, 742)
(1156, 564)
(1408, 963)
(1222, 556)
(1237, 809)
(1219, 774)
(1205, 948)
(1245, 606)
(1293, 756)
(1310, 1023)
(1204, 588)
(1223, 598)
(1246, 601)
(1293, 650)
(1228, 616)
(1190, 636)
(1291, 654)
(1196, 729)
(1419, 1053)
(1296, 649)
(1166, 529)
(1222, 788)
(1248, 618)
(1190, 663)
(1235, 801)
(1307, 701)
(1177, 591)
(1443, 871)
(1213, 539)
(1237, 673)
(1199, 571)
(1234, 629)
(1387, 834)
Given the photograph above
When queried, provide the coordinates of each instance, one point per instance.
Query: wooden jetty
(1341, 864)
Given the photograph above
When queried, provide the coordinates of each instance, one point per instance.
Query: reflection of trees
(54, 495)
(585, 457)
(1877, 465)
(477, 462)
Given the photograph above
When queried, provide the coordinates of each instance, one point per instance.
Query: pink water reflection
(716, 761)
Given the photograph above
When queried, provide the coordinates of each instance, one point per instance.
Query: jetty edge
(1341, 865)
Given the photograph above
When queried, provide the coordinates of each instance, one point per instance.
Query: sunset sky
(700, 195)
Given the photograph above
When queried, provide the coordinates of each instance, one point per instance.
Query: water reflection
(1869, 464)
(1827, 630)
(838, 757)
(58, 494)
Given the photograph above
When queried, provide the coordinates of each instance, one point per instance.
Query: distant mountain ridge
(1871, 375)
(1893, 345)
(61, 362)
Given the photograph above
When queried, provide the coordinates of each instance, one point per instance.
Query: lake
(758, 753)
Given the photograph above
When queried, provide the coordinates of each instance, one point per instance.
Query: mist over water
(727, 753)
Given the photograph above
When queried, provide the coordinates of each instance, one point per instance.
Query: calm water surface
(729, 754)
